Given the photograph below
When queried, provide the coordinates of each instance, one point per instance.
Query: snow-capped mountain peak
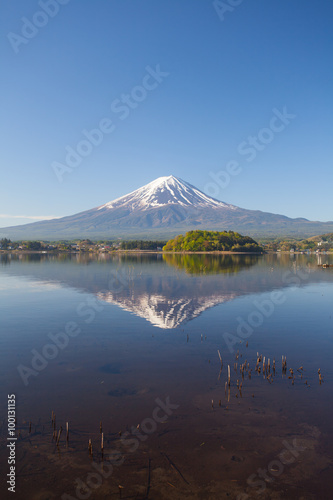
(165, 191)
(162, 209)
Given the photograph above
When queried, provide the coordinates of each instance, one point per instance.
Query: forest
(212, 241)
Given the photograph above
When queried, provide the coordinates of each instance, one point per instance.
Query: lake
(126, 349)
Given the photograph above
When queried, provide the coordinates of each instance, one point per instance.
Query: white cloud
(33, 217)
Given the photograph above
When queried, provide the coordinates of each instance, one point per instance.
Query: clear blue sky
(225, 78)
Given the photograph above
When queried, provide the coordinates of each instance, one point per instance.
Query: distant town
(80, 246)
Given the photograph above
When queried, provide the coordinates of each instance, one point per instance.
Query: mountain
(162, 209)
(165, 191)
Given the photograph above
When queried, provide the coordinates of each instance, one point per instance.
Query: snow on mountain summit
(165, 191)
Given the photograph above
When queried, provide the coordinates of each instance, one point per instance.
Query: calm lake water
(127, 346)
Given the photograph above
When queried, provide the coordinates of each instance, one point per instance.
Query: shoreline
(160, 252)
(57, 252)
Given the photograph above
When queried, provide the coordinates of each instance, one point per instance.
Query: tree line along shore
(192, 242)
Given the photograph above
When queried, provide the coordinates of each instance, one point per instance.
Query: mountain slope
(164, 208)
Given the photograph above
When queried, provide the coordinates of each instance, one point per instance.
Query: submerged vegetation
(212, 241)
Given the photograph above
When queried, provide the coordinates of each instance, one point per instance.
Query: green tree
(4, 243)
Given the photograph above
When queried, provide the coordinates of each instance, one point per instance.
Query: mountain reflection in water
(167, 290)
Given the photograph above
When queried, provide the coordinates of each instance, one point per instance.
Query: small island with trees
(212, 241)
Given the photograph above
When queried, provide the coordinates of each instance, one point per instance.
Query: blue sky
(226, 75)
